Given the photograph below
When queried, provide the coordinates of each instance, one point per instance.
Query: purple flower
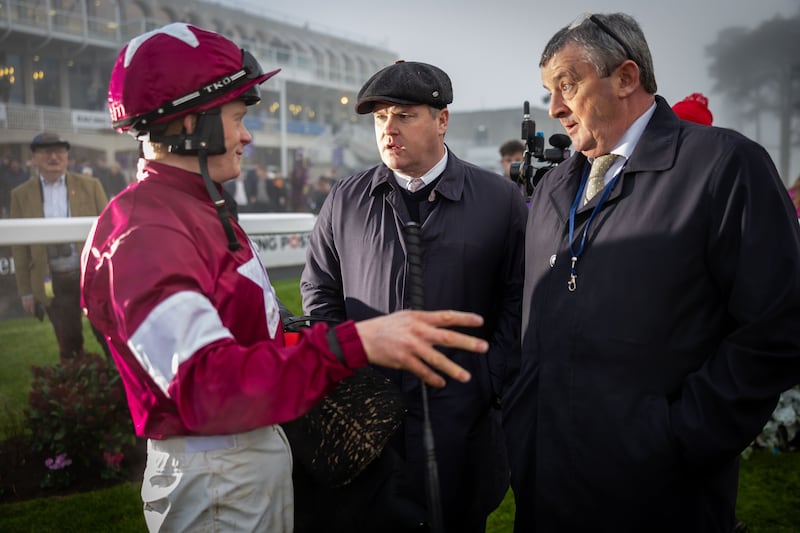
(61, 461)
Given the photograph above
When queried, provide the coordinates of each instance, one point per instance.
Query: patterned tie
(598, 173)
(415, 184)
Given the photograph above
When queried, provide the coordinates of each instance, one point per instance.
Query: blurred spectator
(317, 195)
(85, 167)
(100, 170)
(298, 188)
(237, 192)
(12, 175)
(257, 188)
(694, 108)
(113, 179)
(510, 152)
(48, 275)
(279, 196)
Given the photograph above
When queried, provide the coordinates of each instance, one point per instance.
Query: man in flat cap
(472, 229)
(48, 275)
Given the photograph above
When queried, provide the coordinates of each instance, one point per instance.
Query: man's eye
(567, 87)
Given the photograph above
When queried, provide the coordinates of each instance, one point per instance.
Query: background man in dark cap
(472, 225)
(49, 274)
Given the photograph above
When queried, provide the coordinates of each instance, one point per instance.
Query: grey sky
(491, 49)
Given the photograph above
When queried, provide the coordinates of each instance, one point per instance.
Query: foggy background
(491, 50)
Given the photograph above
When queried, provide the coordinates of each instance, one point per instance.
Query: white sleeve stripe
(173, 331)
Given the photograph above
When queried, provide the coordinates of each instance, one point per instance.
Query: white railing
(281, 238)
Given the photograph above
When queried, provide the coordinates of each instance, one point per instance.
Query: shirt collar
(428, 177)
(630, 138)
(59, 182)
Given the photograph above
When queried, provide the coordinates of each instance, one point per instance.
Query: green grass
(769, 502)
(117, 510)
(502, 519)
(289, 294)
(769, 492)
(769, 485)
(26, 342)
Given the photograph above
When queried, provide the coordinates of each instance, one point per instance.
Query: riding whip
(415, 286)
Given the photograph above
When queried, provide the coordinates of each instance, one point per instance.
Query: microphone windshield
(560, 140)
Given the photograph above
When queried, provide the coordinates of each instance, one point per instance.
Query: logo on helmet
(116, 110)
(179, 69)
(221, 84)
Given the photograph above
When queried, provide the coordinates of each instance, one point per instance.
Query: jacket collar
(450, 183)
(658, 147)
(188, 182)
(656, 151)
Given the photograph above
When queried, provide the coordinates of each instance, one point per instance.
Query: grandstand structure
(56, 57)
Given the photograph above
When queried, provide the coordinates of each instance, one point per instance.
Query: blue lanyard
(572, 284)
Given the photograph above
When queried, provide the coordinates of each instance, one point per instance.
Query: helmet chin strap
(223, 212)
(208, 138)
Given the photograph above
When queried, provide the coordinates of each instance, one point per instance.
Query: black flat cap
(406, 83)
(48, 139)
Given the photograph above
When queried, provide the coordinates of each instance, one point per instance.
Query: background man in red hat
(694, 108)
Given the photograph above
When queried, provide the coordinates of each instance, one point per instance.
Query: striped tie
(415, 184)
(597, 174)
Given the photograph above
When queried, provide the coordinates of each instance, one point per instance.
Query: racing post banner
(281, 240)
(281, 249)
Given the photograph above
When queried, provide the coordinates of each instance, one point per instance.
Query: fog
(491, 49)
